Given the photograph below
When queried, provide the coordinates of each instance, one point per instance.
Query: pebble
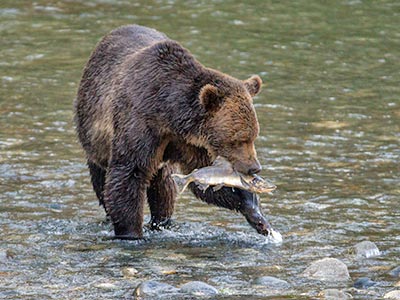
(327, 269)
(271, 282)
(363, 283)
(395, 272)
(198, 288)
(6, 254)
(129, 272)
(395, 295)
(106, 286)
(366, 249)
(150, 289)
(169, 272)
(334, 294)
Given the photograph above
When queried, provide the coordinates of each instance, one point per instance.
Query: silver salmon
(220, 174)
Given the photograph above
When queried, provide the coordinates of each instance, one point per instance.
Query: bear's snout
(249, 168)
(255, 169)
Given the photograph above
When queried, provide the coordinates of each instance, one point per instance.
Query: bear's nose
(254, 169)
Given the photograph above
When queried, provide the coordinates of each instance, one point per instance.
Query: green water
(330, 139)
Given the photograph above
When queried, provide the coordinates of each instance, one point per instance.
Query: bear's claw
(159, 225)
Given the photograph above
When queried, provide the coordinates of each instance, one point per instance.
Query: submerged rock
(198, 288)
(3, 255)
(363, 283)
(394, 295)
(334, 294)
(271, 282)
(327, 269)
(6, 254)
(366, 249)
(395, 272)
(150, 289)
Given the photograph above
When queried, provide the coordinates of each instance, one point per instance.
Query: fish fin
(202, 187)
(217, 187)
(182, 181)
(221, 162)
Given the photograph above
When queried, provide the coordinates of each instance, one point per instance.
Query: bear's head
(231, 124)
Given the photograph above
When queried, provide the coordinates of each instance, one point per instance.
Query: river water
(330, 140)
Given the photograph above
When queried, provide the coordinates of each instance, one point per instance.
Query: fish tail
(182, 181)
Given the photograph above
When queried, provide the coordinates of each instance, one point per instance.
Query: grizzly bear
(146, 108)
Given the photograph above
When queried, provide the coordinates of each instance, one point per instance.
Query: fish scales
(221, 173)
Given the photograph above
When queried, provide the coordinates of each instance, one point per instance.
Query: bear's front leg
(161, 197)
(250, 209)
(236, 199)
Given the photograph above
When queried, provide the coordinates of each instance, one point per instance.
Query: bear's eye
(217, 82)
(236, 144)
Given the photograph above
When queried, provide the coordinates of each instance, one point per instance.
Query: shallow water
(330, 139)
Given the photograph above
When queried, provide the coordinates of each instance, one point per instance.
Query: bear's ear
(253, 85)
(211, 98)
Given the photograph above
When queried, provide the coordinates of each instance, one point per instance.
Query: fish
(221, 173)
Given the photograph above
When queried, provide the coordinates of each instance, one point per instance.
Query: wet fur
(145, 106)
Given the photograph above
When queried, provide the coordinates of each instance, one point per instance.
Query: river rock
(271, 282)
(327, 269)
(395, 272)
(6, 254)
(150, 289)
(106, 286)
(363, 283)
(129, 272)
(198, 288)
(394, 295)
(366, 249)
(3, 255)
(334, 294)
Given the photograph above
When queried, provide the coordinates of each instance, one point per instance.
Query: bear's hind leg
(98, 178)
(161, 197)
(124, 196)
(135, 156)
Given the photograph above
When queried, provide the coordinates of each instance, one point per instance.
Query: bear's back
(130, 39)
(94, 100)
(120, 43)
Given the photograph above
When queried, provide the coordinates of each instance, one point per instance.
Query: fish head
(262, 184)
(257, 184)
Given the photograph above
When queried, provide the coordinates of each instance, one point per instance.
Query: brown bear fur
(145, 106)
